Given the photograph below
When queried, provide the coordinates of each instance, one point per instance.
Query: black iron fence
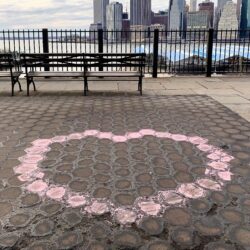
(172, 52)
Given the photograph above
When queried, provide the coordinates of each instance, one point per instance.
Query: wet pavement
(123, 172)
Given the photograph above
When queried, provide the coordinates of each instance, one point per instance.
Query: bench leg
(86, 88)
(12, 86)
(20, 87)
(28, 86)
(140, 85)
(34, 86)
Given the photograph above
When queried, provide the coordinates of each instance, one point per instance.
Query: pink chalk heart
(217, 172)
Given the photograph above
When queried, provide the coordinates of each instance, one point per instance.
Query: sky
(75, 14)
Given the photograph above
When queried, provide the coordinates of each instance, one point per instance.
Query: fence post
(45, 44)
(100, 47)
(155, 53)
(210, 52)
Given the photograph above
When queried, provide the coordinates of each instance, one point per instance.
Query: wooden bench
(9, 68)
(130, 66)
(52, 65)
(103, 67)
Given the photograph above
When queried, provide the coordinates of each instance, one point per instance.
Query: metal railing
(172, 52)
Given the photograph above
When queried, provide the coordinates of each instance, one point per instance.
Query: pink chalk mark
(205, 147)
(59, 139)
(209, 184)
(145, 132)
(196, 140)
(38, 186)
(31, 159)
(42, 142)
(218, 165)
(171, 197)
(97, 208)
(125, 216)
(150, 207)
(179, 137)
(118, 138)
(29, 171)
(91, 132)
(163, 135)
(77, 201)
(24, 178)
(25, 168)
(227, 158)
(214, 157)
(105, 135)
(190, 190)
(36, 150)
(75, 136)
(134, 135)
(56, 193)
(225, 175)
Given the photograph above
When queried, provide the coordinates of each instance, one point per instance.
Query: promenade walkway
(114, 170)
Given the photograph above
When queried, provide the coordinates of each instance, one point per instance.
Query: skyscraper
(228, 21)
(245, 17)
(176, 14)
(207, 5)
(140, 12)
(193, 5)
(100, 12)
(114, 20)
(220, 6)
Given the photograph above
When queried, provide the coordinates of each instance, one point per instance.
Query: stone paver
(151, 185)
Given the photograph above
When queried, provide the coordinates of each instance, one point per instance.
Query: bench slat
(56, 74)
(113, 74)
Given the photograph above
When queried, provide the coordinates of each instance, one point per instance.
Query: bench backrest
(54, 61)
(120, 61)
(5, 62)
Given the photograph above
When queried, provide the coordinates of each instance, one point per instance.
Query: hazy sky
(19, 14)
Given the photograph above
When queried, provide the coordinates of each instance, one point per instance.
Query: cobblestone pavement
(156, 190)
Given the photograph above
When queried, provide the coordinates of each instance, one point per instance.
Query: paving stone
(178, 217)
(127, 240)
(97, 246)
(200, 206)
(123, 184)
(102, 193)
(158, 245)
(8, 240)
(241, 235)
(19, 220)
(184, 238)
(5, 208)
(30, 200)
(39, 246)
(145, 191)
(209, 226)
(152, 226)
(232, 216)
(125, 199)
(11, 193)
(219, 246)
(69, 240)
(62, 179)
(100, 231)
(236, 189)
(43, 228)
(51, 208)
(72, 218)
(78, 186)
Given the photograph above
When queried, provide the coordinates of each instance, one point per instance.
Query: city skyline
(25, 14)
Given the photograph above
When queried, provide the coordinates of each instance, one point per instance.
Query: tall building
(196, 22)
(193, 5)
(100, 12)
(176, 14)
(140, 12)
(114, 20)
(207, 5)
(245, 18)
(239, 3)
(160, 18)
(220, 7)
(228, 21)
